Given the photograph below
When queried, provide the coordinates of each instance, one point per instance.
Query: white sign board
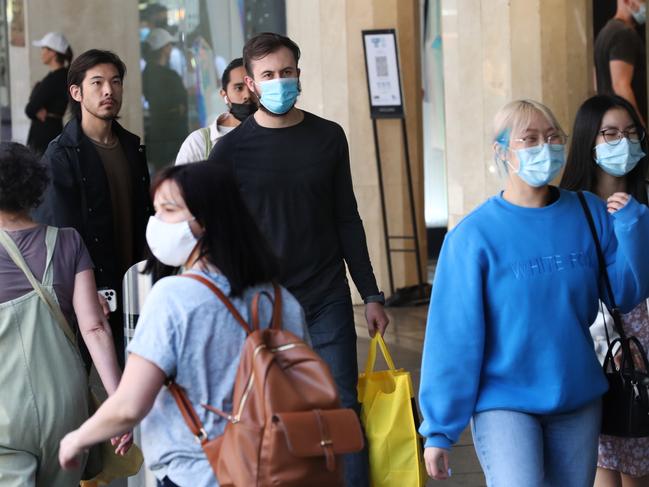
(382, 73)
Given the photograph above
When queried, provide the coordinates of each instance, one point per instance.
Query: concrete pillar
(496, 51)
(335, 87)
(86, 25)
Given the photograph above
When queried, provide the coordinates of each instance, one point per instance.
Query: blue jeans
(518, 449)
(331, 327)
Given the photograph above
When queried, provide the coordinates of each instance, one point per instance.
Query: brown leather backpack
(287, 427)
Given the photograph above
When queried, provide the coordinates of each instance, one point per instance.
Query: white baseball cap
(55, 41)
(158, 38)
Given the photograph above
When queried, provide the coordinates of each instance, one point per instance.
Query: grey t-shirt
(70, 257)
(187, 332)
(619, 42)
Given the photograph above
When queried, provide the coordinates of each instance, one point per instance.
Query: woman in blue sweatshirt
(507, 344)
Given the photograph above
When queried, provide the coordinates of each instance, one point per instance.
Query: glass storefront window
(181, 82)
(6, 16)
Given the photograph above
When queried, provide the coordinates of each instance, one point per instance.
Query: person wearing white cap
(49, 98)
(167, 97)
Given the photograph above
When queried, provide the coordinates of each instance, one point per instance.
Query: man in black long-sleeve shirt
(293, 171)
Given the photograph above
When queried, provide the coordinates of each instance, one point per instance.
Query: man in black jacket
(100, 179)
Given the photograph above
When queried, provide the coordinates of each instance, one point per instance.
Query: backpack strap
(219, 294)
(180, 396)
(188, 412)
(277, 310)
(276, 320)
(208, 141)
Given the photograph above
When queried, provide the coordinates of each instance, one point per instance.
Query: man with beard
(294, 173)
(241, 105)
(99, 176)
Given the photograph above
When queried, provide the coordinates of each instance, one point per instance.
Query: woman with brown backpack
(190, 336)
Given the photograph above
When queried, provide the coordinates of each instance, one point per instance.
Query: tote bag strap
(371, 354)
(602, 265)
(18, 259)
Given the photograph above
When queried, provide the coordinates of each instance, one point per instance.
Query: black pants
(333, 335)
(165, 482)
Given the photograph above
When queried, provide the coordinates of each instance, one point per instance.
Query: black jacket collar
(73, 136)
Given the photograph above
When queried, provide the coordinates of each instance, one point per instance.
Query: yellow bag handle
(371, 356)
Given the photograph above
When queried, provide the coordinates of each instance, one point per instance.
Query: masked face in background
(236, 95)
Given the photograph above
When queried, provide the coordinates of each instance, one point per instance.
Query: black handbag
(625, 406)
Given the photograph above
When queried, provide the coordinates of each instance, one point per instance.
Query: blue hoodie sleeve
(624, 237)
(454, 343)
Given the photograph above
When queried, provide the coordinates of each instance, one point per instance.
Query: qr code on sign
(382, 66)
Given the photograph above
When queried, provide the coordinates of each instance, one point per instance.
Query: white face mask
(170, 243)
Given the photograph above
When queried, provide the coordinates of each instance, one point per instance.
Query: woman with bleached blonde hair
(507, 346)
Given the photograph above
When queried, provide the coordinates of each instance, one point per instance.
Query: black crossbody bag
(625, 406)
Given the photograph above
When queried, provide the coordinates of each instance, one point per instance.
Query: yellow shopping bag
(389, 416)
(106, 465)
(116, 466)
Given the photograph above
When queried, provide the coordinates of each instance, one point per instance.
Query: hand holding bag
(625, 406)
(389, 415)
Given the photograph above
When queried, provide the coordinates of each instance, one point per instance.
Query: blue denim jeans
(331, 327)
(517, 449)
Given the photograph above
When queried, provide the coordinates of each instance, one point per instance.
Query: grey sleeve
(623, 48)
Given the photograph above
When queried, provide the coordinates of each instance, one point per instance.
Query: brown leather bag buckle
(201, 437)
(325, 441)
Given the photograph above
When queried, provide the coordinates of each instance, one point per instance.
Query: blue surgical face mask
(279, 95)
(540, 165)
(144, 33)
(640, 16)
(619, 159)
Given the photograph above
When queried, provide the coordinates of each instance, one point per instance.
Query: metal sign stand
(384, 88)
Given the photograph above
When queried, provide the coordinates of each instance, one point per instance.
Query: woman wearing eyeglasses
(507, 345)
(607, 155)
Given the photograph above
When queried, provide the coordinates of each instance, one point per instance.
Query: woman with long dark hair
(184, 331)
(49, 98)
(608, 155)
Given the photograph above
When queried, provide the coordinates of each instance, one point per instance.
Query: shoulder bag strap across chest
(18, 259)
